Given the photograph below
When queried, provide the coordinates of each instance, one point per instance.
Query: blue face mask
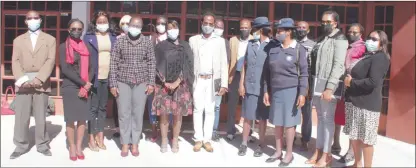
(134, 31)
(256, 35)
(371, 45)
(280, 37)
(33, 24)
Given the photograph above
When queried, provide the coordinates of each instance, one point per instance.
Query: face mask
(218, 32)
(326, 29)
(301, 34)
(173, 34)
(207, 29)
(33, 24)
(75, 34)
(371, 45)
(244, 34)
(352, 38)
(161, 29)
(134, 31)
(256, 35)
(125, 28)
(102, 27)
(280, 37)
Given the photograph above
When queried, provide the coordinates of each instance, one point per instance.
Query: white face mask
(33, 24)
(173, 34)
(135, 31)
(102, 27)
(125, 28)
(207, 29)
(218, 32)
(161, 29)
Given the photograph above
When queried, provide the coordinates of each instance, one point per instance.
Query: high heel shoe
(73, 158)
(175, 145)
(164, 146)
(135, 154)
(326, 164)
(81, 157)
(100, 145)
(93, 148)
(284, 164)
(273, 159)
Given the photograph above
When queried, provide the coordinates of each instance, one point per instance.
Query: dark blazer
(71, 72)
(367, 82)
(90, 39)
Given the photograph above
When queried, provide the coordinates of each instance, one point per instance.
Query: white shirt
(242, 49)
(291, 45)
(162, 37)
(265, 41)
(34, 37)
(205, 54)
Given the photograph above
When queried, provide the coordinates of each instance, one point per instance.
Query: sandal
(101, 146)
(93, 147)
(175, 145)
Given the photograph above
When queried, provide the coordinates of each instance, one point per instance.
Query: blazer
(234, 43)
(41, 59)
(219, 63)
(71, 72)
(367, 81)
(90, 39)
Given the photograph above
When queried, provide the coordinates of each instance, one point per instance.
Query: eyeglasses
(373, 38)
(353, 33)
(32, 18)
(76, 29)
(326, 22)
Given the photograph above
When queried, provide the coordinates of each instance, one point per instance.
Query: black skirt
(75, 108)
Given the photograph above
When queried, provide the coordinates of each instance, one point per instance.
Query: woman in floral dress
(174, 65)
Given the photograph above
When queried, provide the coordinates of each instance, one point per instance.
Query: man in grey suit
(32, 63)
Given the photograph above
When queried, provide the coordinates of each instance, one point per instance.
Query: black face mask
(75, 34)
(352, 38)
(244, 34)
(301, 34)
(327, 29)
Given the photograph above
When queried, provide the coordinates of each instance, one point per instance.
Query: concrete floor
(388, 152)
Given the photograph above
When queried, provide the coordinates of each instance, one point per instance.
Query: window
(352, 15)
(100, 5)
(52, 6)
(220, 8)
(192, 8)
(38, 5)
(295, 11)
(192, 26)
(10, 21)
(233, 27)
(144, 7)
(129, 7)
(174, 7)
(234, 8)
(341, 12)
(207, 6)
(280, 10)
(159, 7)
(379, 15)
(321, 10)
(309, 12)
(10, 5)
(114, 6)
(248, 9)
(263, 8)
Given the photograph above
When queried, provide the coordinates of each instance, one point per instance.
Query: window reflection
(248, 9)
(262, 8)
(234, 9)
(144, 7)
(207, 6)
(129, 7)
(220, 8)
(233, 27)
(159, 7)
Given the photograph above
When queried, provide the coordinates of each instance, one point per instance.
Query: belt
(205, 76)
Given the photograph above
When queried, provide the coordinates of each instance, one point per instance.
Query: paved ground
(388, 152)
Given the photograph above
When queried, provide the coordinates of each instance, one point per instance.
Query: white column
(81, 10)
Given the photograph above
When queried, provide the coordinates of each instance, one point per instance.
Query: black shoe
(336, 150)
(215, 137)
(258, 152)
(273, 159)
(46, 152)
(15, 155)
(242, 150)
(230, 137)
(116, 135)
(283, 164)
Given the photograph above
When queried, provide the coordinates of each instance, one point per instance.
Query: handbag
(6, 107)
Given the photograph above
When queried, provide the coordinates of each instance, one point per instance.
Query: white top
(291, 45)
(242, 49)
(34, 37)
(206, 48)
(162, 37)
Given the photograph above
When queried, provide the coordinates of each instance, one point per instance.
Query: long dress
(75, 108)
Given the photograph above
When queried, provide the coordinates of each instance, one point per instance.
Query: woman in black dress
(77, 73)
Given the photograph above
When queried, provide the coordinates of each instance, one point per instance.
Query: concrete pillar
(81, 10)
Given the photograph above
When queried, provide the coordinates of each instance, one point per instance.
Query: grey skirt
(254, 108)
(283, 110)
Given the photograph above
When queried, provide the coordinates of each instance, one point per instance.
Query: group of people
(274, 75)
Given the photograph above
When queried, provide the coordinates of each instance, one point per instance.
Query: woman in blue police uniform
(251, 84)
(286, 70)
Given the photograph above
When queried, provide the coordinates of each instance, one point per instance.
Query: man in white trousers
(211, 72)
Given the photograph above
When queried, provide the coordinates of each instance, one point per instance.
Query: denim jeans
(217, 112)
